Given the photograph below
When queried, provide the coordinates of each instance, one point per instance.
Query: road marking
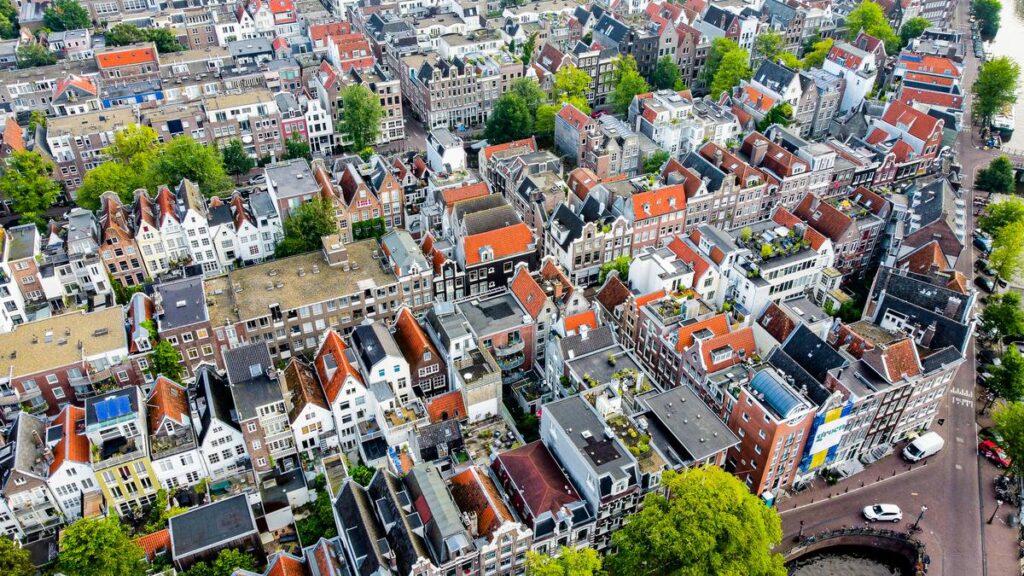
(959, 440)
(958, 401)
(963, 393)
(959, 467)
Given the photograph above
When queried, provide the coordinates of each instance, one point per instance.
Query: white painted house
(220, 440)
(174, 451)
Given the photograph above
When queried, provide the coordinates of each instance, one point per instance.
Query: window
(252, 426)
(58, 392)
(214, 458)
(257, 445)
(51, 378)
(261, 462)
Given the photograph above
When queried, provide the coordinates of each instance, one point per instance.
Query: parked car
(992, 435)
(883, 513)
(923, 446)
(983, 243)
(985, 284)
(258, 179)
(993, 453)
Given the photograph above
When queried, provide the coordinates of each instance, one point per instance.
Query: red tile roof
(127, 56)
(467, 192)
(411, 338)
(72, 446)
(824, 217)
(284, 564)
(12, 136)
(909, 96)
(895, 361)
(756, 99)
(154, 544)
(916, 123)
(281, 6)
(741, 342)
(539, 480)
(718, 325)
(474, 492)
(776, 322)
(574, 117)
(844, 57)
(926, 78)
(648, 298)
(447, 406)
(167, 399)
(922, 260)
(581, 181)
(656, 203)
(684, 252)
(573, 323)
(529, 293)
(529, 143)
(332, 383)
(318, 32)
(928, 63)
(504, 242)
(746, 175)
(786, 218)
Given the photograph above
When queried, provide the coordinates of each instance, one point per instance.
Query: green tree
(320, 522)
(99, 547)
(912, 29)
(789, 60)
(36, 118)
(1009, 422)
(135, 144)
(735, 66)
(185, 158)
(8, 20)
(296, 147)
(1007, 380)
(666, 74)
(361, 474)
(369, 228)
(165, 360)
(361, 114)
(510, 120)
(815, 58)
(121, 179)
(709, 523)
(237, 161)
(719, 48)
(160, 511)
(870, 18)
(14, 560)
(570, 82)
(123, 34)
(1002, 213)
(33, 54)
(65, 15)
(621, 264)
(165, 40)
(850, 311)
(995, 87)
(998, 176)
(528, 47)
(987, 13)
(305, 226)
(1007, 257)
(26, 182)
(781, 114)
(530, 92)
(767, 251)
(1003, 316)
(628, 83)
(570, 562)
(654, 162)
(544, 127)
(229, 560)
(769, 45)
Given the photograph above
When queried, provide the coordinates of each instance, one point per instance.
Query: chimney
(558, 289)
(926, 338)
(758, 152)
(718, 157)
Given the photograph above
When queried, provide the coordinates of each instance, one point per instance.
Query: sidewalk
(1000, 538)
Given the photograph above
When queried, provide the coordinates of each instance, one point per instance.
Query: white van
(924, 446)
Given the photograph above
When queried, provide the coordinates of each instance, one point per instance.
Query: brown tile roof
(739, 341)
(73, 446)
(916, 123)
(12, 136)
(540, 481)
(895, 361)
(613, 293)
(574, 117)
(467, 192)
(957, 282)
(718, 325)
(684, 252)
(447, 406)
(581, 181)
(776, 322)
(528, 143)
(167, 399)
(504, 242)
(154, 544)
(922, 260)
(824, 217)
(302, 388)
(529, 293)
(285, 564)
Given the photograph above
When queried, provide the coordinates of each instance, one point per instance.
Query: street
(955, 484)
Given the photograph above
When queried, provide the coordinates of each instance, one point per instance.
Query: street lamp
(917, 523)
(996, 511)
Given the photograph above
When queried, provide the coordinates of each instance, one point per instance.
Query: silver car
(883, 513)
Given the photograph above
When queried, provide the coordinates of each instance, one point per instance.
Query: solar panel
(124, 405)
(102, 410)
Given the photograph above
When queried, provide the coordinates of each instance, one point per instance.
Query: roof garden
(637, 442)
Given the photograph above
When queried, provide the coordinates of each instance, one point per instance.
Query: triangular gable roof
(528, 292)
(332, 352)
(169, 400)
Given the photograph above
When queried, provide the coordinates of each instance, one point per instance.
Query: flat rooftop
(183, 303)
(207, 526)
(689, 421)
(54, 342)
(290, 290)
(493, 315)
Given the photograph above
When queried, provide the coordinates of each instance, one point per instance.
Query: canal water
(849, 561)
(1007, 43)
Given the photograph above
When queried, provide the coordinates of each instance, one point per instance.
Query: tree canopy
(361, 474)
(987, 14)
(709, 523)
(815, 58)
(510, 120)
(531, 93)
(99, 547)
(768, 45)
(32, 54)
(570, 82)
(719, 48)
(628, 83)
(869, 17)
(123, 34)
(621, 264)
(655, 161)
(296, 147)
(305, 226)
(781, 114)
(667, 75)
(183, 158)
(913, 28)
(734, 67)
(995, 87)
(1007, 379)
(63, 15)
(225, 564)
(320, 522)
(1003, 316)
(1002, 213)
(26, 182)
(1009, 422)
(998, 176)
(237, 161)
(165, 360)
(8, 20)
(361, 113)
(14, 560)
(1007, 257)
(570, 562)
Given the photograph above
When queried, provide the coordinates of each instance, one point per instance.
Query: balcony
(116, 451)
(510, 348)
(165, 445)
(510, 362)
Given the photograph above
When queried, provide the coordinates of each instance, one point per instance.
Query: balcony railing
(510, 362)
(510, 348)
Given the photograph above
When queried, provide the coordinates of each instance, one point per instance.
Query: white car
(258, 179)
(883, 513)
